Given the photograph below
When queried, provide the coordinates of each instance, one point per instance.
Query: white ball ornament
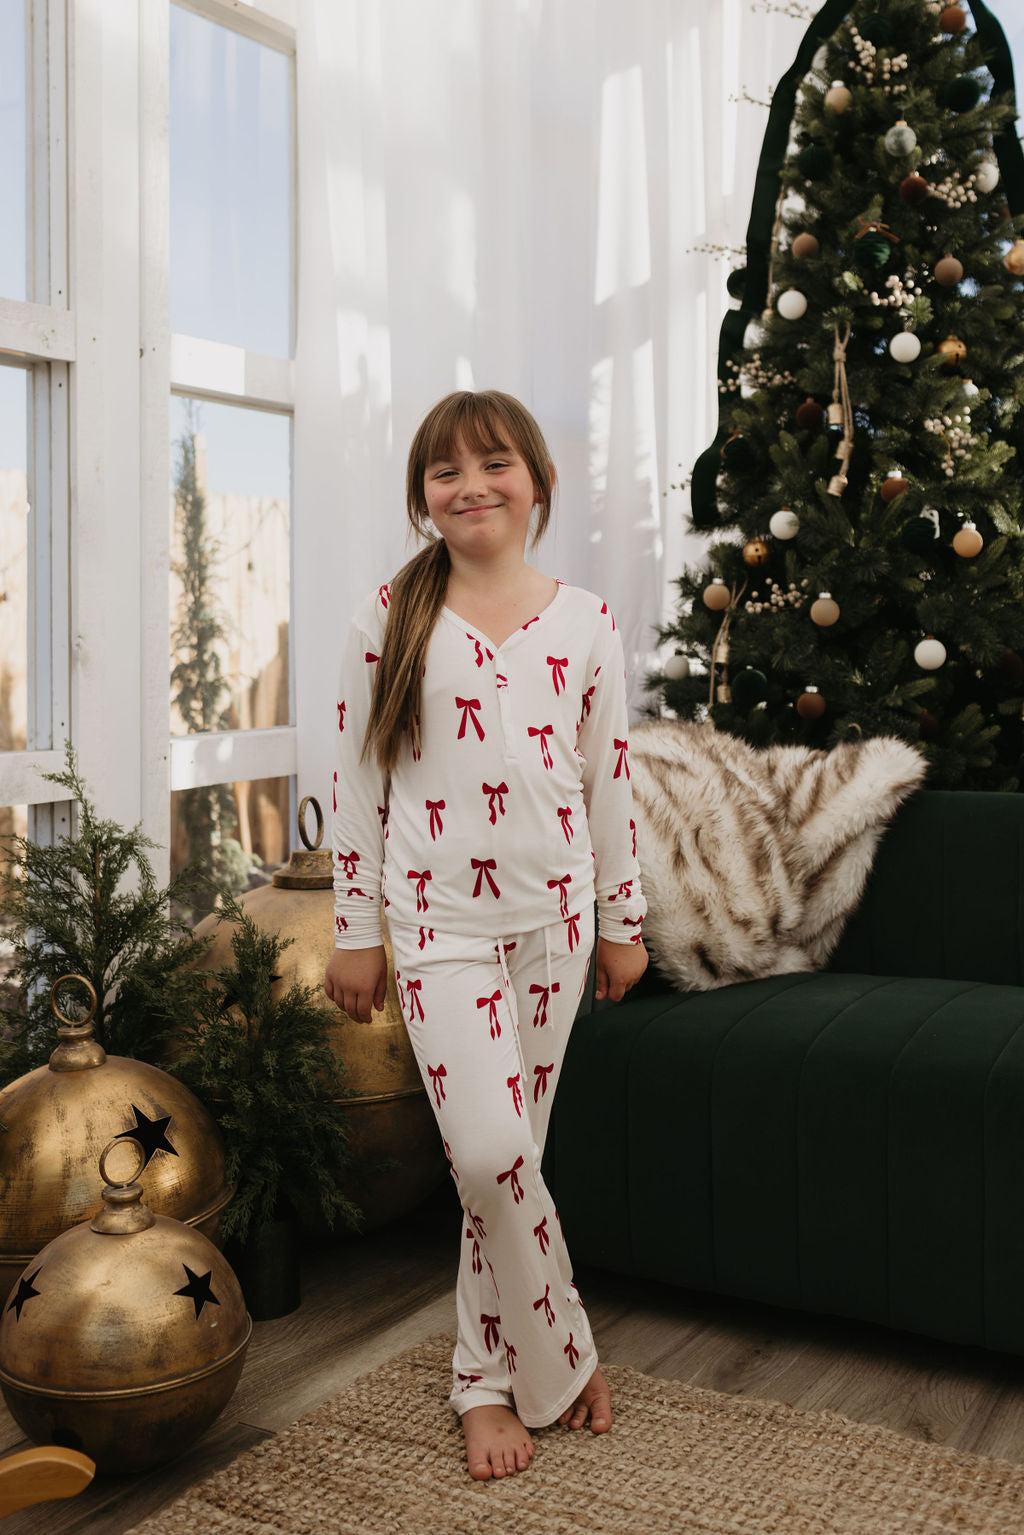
(930, 653)
(986, 176)
(784, 523)
(838, 96)
(905, 347)
(677, 667)
(792, 304)
(901, 140)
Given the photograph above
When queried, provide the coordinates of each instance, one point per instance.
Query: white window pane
(13, 150)
(14, 560)
(230, 596)
(237, 833)
(230, 133)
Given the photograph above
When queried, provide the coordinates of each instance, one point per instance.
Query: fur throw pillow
(752, 860)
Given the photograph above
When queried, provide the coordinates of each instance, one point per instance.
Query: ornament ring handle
(140, 1160)
(310, 800)
(74, 1023)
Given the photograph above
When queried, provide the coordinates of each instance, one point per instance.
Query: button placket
(503, 690)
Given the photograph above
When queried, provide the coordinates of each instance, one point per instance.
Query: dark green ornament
(918, 535)
(961, 93)
(735, 281)
(875, 28)
(749, 687)
(737, 455)
(872, 250)
(814, 162)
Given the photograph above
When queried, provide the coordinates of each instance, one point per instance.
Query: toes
(601, 1414)
(480, 1470)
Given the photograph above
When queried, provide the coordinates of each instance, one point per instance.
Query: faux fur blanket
(752, 860)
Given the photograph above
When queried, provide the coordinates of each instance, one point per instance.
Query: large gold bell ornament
(126, 1335)
(397, 1156)
(59, 1117)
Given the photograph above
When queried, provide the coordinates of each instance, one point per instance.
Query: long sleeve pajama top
(518, 809)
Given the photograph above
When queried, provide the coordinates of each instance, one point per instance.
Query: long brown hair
(485, 421)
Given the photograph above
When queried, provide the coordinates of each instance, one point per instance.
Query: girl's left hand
(618, 967)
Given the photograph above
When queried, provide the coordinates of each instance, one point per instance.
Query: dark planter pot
(267, 1267)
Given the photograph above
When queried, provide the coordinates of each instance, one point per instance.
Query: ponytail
(416, 599)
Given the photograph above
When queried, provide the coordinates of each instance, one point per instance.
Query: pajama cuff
(480, 1396)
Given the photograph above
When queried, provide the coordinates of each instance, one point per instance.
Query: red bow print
(340, 925)
(384, 593)
(518, 1193)
(421, 887)
(540, 1087)
(635, 922)
(491, 1325)
(540, 1016)
(517, 1097)
(354, 890)
(341, 718)
(348, 863)
(495, 794)
(469, 707)
(413, 999)
(475, 1259)
(543, 731)
(541, 1233)
(500, 680)
(437, 1075)
(625, 890)
(621, 747)
(508, 947)
(558, 665)
(480, 651)
(483, 866)
(561, 886)
(549, 1310)
(334, 792)
(478, 1227)
(492, 1016)
(586, 702)
(510, 1357)
(535, 619)
(468, 1379)
(572, 1351)
(435, 806)
(565, 816)
(572, 927)
(382, 811)
(632, 827)
(605, 609)
(370, 658)
(426, 936)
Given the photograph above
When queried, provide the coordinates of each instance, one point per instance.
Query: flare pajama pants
(489, 1020)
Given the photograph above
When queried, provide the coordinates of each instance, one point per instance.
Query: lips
(492, 506)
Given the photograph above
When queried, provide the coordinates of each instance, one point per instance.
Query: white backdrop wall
(515, 194)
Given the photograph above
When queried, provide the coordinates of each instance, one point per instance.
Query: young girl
(482, 792)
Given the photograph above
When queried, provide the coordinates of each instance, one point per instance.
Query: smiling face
(480, 500)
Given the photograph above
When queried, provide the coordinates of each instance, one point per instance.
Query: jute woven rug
(386, 1458)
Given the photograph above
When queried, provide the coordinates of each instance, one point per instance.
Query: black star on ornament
(25, 1292)
(198, 1289)
(149, 1133)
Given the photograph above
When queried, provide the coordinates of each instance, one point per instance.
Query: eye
(498, 463)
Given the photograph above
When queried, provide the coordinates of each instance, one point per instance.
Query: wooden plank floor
(367, 1299)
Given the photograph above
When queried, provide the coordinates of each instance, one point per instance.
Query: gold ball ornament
(756, 552)
(948, 271)
(838, 97)
(968, 541)
(805, 245)
(810, 705)
(952, 350)
(717, 596)
(824, 610)
(1013, 261)
(894, 486)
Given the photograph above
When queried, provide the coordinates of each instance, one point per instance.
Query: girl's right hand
(357, 980)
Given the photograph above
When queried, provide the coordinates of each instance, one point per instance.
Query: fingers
(600, 983)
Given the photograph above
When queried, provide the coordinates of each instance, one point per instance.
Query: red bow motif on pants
(540, 1016)
(549, 1310)
(518, 1193)
(435, 806)
(517, 1097)
(540, 1086)
(421, 887)
(572, 928)
(561, 885)
(541, 1233)
(426, 936)
(543, 731)
(621, 747)
(483, 866)
(475, 1259)
(341, 718)
(437, 1075)
(348, 863)
(496, 794)
(478, 1227)
(414, 1002)
(510, 1357)
(491, 1335)
(492, 1017)
(469, 707)
(572, 1351)
(558, 665)
(565, 816)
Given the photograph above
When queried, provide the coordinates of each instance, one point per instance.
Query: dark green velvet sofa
(849, 1141)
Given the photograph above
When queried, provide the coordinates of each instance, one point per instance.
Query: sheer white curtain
(515, 194)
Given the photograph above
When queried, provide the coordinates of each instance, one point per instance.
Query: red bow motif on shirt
(621, 747)
(341, 925)
(517, 1097)
(468, 1380)
(437, 1075)
(480, 650)
(492, 1017)
(625, 890)
(545, 1301)
(384, 593)
(370, 658)
(483, 867)
(561, 885)
(543, 731)
(605, 609)
(500, 680)
(421, 887)
(518, 1193)
(541, 1233)
(632, 827)
(586, 701)
(558, 665)
(495, 793)
(540, 1087)
(542, 993)
(334, 792)
(341, 717)
(413, 999)
(348, 863)
(435, 806)
(535, 619)
(565, 816)
(469, 707)
(491, 1325)
(634, 922)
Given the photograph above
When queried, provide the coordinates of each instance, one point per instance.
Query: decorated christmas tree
(866, 483)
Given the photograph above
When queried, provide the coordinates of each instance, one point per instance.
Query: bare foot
(497, 1444)
(595, 1402)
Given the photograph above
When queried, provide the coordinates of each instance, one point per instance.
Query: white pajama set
(487, 849)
